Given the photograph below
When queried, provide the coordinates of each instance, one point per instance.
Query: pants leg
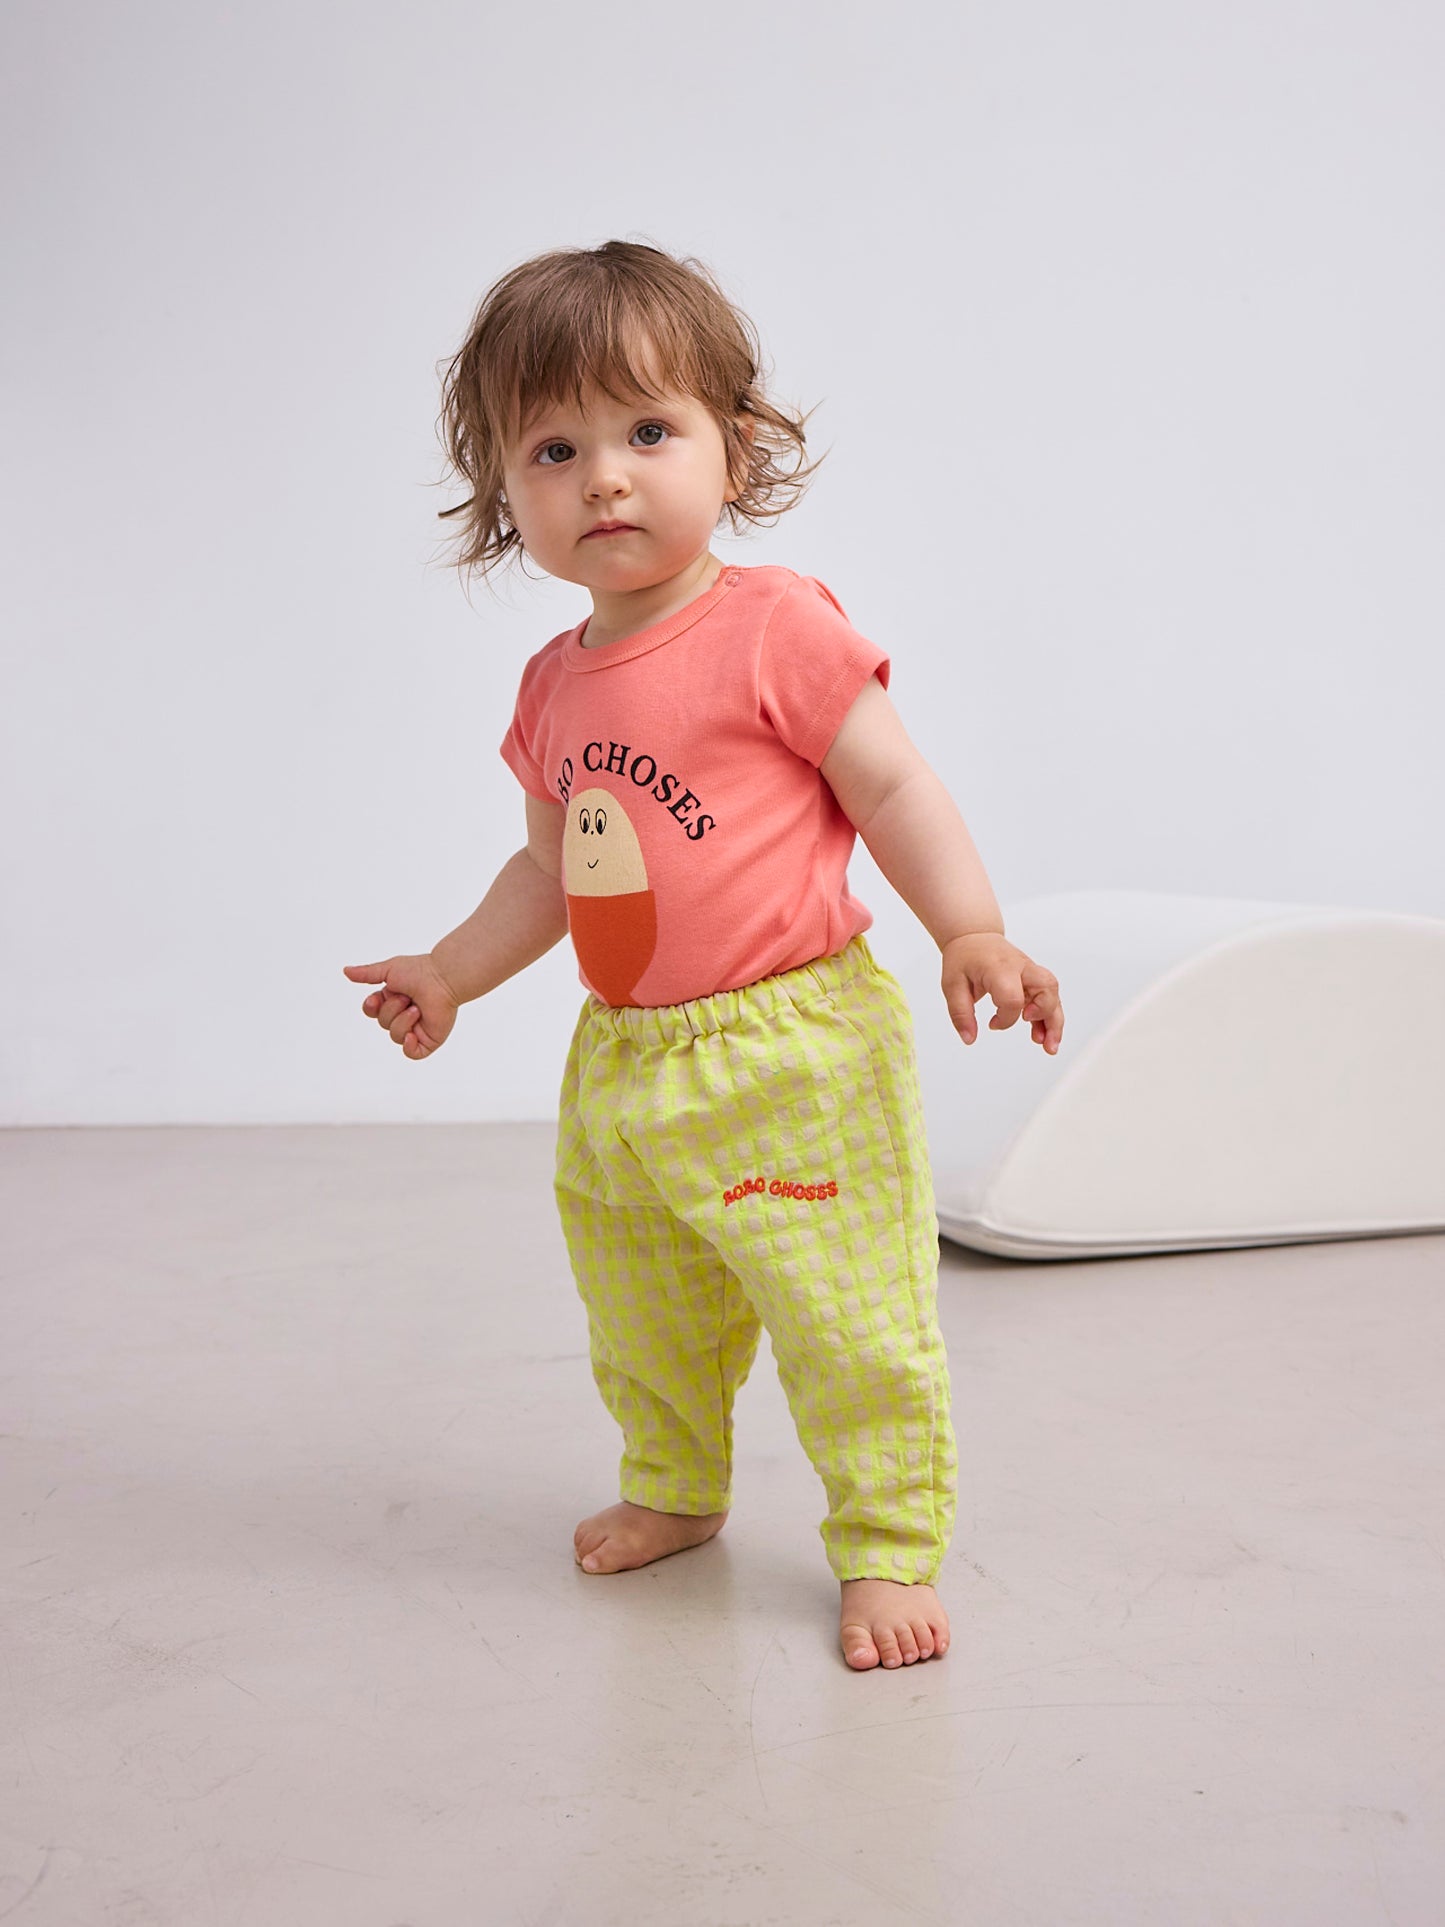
(804, 1089)
(847, 1287)
(672, 1335)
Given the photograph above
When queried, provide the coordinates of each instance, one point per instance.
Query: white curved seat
(1232, 1072)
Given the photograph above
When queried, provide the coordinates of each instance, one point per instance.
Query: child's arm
(916, 836)
(908, 820)
(519, 919)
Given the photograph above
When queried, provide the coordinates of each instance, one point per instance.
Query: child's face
(659, 465)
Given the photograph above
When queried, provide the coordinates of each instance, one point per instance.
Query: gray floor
(297, 1424)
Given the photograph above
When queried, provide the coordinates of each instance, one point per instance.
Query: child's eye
(641, 428)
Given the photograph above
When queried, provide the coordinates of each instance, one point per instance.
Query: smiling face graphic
(601, 856)
(610, 909)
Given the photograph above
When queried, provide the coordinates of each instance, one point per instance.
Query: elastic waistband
(665, 1023)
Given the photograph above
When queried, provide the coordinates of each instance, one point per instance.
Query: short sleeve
(811, 666)
(515, 751)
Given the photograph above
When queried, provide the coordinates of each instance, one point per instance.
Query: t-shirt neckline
(575, 656)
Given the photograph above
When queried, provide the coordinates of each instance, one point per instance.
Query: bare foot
(884, 1619)
(626, 1535)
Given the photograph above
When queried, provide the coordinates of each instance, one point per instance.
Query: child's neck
(615, 617)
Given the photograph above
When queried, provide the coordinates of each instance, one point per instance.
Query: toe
(859, 1648)
(887, 1643)
(923, 1638)
(907, 1644)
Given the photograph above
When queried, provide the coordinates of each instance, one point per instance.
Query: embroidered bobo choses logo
(782, 1188)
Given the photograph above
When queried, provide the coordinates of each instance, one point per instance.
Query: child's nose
(605, 484)
(607, 473)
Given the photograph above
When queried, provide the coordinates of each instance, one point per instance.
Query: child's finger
(961, 1011)
(1048, 1023)
(1054, 1019)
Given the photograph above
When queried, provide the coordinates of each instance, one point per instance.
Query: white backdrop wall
(1123, 325)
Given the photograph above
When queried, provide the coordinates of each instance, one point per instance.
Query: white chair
(1232, 1072)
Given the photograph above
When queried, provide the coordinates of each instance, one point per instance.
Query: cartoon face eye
(600, 821)
(583, 818)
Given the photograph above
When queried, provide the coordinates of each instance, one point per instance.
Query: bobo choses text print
(702, 849)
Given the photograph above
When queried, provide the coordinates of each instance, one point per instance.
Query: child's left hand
(985, 963)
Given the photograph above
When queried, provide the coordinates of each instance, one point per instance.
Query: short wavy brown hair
(576, 316)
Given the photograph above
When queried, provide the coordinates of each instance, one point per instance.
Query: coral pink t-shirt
(702, 848)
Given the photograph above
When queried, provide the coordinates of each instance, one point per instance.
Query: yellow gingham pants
(758, 1158)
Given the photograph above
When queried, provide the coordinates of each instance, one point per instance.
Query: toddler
(741, 1140)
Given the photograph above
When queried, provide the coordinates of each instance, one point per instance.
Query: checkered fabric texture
(758, 1159)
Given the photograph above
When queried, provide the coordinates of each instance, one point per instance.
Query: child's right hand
(415, 1004)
